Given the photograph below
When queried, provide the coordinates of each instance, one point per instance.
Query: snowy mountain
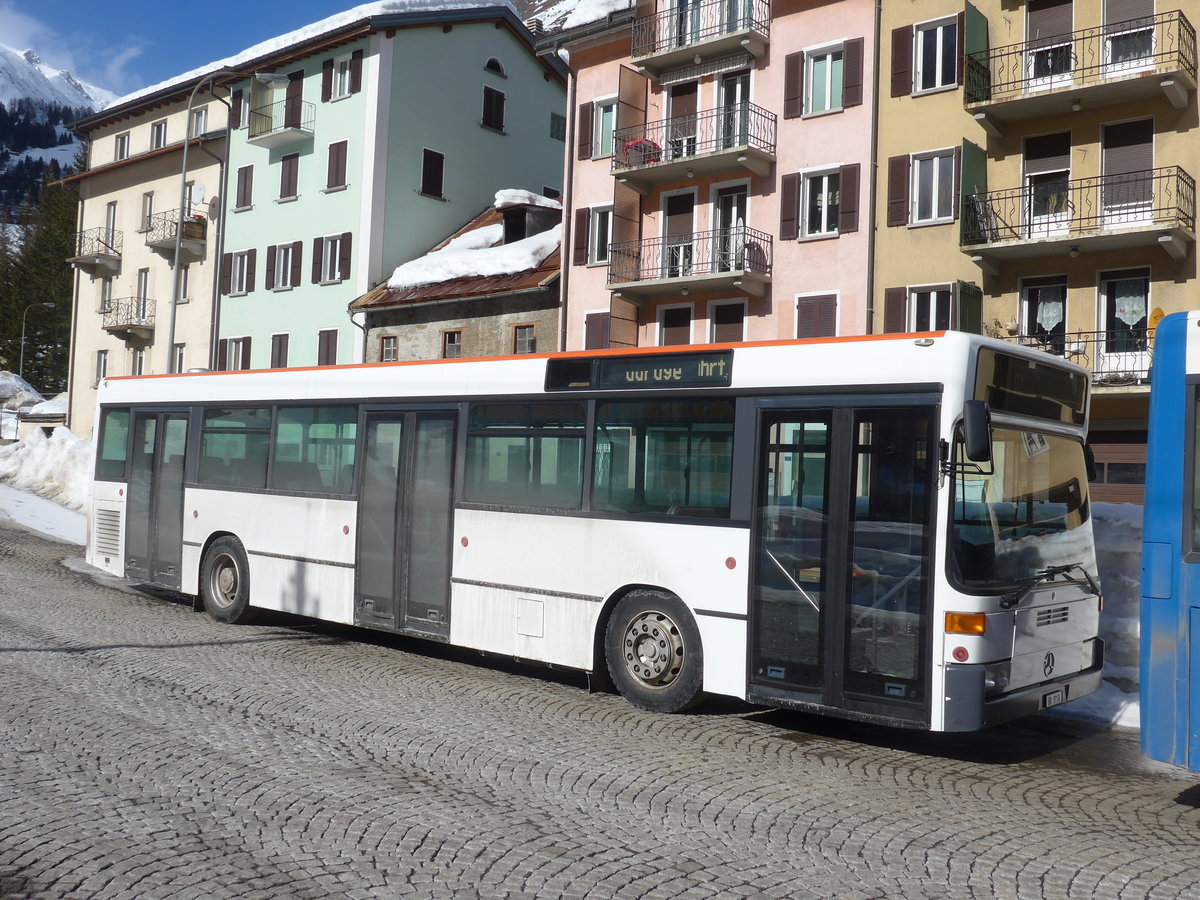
(23, 74)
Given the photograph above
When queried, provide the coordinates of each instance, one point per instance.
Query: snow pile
(16, 393)
(308, 32)
(505, 199)
(58, 467)
(54, 407)
(477, 254)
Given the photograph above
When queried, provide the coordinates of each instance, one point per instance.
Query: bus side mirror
(977, 431)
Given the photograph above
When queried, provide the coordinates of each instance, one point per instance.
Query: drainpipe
(874, 175)
(568, 239)
(71, 366)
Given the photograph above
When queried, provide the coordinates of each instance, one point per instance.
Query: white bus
(833, 526)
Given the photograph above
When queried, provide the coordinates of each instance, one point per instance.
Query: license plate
(1053, 698)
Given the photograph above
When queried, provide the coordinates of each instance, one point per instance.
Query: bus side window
(526, 454)
(114, 445)
(314, 449)
(234, 447)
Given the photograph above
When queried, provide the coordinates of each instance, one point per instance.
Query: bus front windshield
(1022, 513)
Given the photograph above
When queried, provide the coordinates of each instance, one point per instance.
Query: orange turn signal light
(966, 623)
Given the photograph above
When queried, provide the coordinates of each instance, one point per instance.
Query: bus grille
(1053, 616)
(106, 535)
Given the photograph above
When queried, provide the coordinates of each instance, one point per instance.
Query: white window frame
(106, 289)
(458, 343)
(827, 52)
(597, 254)
(342, 68)
(658, 322)
(331, 253)
(101, 366)
(283, 267)
(199, 122)
(179, 351)
(936, 28)
(383, 348)
(147, 211)
(121, 146)
(808, 179)
(946, 156)
(138, 361)
(239, 271)
(712, 317)
(532, 343)
(233, 353)
(910, 314)
(158, 134)
(598, 107)
(185, 283)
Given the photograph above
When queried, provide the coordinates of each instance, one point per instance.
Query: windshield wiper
(1047, 574)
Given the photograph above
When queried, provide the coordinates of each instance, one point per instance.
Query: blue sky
(124, 45)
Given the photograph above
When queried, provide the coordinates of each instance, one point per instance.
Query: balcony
(163, 226)
(281, 124)
(97, 250)
(692, 32)
(1134, 60)
(130, 317)
(1118, 358)
(719, 140)
(1055, 215)
(729, 259)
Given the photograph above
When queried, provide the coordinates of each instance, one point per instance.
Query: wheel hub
(653, 649)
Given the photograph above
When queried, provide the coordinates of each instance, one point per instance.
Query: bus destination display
(633, 372)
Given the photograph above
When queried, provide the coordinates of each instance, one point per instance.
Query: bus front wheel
(652, 647)
(225, 581)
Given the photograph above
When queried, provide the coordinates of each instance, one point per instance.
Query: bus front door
(154, 511)
(404, 522)
(839, 600)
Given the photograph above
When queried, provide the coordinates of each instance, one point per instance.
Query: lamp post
(49, 304)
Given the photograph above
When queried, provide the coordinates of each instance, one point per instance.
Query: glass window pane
(114, 444)
(945, 190)
(949, 48)
(924, 192)
(534, 458)
(820, 84)
(315, 448)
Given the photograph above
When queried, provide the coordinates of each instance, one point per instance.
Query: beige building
(125, 321)
(1036, 171)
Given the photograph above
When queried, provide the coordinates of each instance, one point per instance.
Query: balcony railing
(132, 314)
(740, 256)
(1155, 44)
(98, 247)
(1116, 358)
(281, 123)
(163, 226)
(1060, 210)
(667, 149)
(719, 25)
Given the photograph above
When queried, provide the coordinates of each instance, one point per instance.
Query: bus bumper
(967, 709)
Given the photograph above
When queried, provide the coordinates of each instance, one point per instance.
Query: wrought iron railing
(98, 242)
(687, 23)
(163, 225)
(668, 140)
(129, 312)
(284, 115)
(1082, 58)
(1119, 356)
(1052, 207)
(738, 249)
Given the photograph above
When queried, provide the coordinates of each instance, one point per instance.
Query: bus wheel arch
(653, 650)
(225, 580)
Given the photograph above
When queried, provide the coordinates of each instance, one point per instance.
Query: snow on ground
(45, 484)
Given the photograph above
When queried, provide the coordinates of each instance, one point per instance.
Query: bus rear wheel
(652, 647)
(225, 582)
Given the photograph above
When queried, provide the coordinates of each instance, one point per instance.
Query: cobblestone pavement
(146, 751)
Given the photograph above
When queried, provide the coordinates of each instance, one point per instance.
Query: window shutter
(245, 186)
(583, 127)
(270, 280)
(433, 164)
(493, 108)
(848, 177)
(968, 308)
(236, 112)
(356, 66)
(226, 273)
(1047, 20)
(579, 239)
(956, 180)
(902, 55)
(245, 363)
(793, 85)
(895, 314)
(318, 253)
(344, 257)
(852, 73)
(816, 317)
(897, 193)
(297, 253)
(728, 323)
(789, 207)
(222, 355)
(336, 174)
(251, 261)
(279, 351)
(326, 80)
(961, 35)
(1048, 153)
(293, 97)
(596, 331)
(289, 169)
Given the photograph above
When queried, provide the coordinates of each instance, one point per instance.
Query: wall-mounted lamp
(1076, 105)
(683, 291)
(691, 174)
(1073, 252)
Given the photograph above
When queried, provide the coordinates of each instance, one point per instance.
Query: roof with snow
(475, 263)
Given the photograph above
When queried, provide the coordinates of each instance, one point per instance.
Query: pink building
(718, 174)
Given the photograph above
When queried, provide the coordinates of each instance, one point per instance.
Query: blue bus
(1170, 586)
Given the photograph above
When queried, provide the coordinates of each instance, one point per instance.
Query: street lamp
(49, 304)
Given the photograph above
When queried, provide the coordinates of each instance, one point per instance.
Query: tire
(225, 582)
(652, 647)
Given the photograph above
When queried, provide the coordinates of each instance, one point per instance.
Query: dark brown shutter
(852, 73)
(793, 85)
(336, 174)
(902, 57)
(344, 256)
(226, 272)
(956, 180)
(279, 351)
(493, 108)
(728, 323)
(816, 317)
(293, 99)
(848, 178)
(326, 80)
(961, 55)
(245, 362)
(579, 240)
(318, 253)
(676, 326)
(1124, 10)
(595, 331)
(1047, 20)
(895, 313)
(236, 112)
(288, 176)
(356, 63)
(223, 355)
(297, 256)
(327, 348)
(251, 262)
(1048, 153)
(789, 207)
(583, 128)
(897, 191)
(272, 252)
(245, 189)
(432, 166)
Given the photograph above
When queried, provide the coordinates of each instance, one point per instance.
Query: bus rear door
(154, 516)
